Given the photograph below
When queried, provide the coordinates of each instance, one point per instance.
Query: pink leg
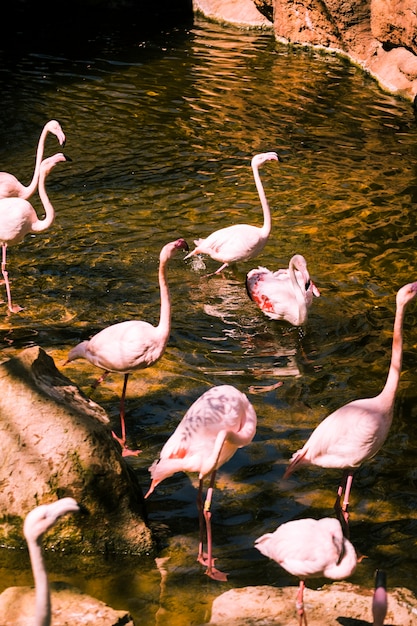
(16, 308)
(208, 560)
(218, 271)
(300, 604)
(122, 440)
(100, 380)
(342, 509)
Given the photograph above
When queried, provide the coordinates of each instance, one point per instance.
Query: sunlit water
(161, 134)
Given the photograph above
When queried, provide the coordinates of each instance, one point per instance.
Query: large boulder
(55, 442)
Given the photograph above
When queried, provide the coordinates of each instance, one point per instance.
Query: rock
(378, 35)
(55, 442)
(69, 607)
(334, 604)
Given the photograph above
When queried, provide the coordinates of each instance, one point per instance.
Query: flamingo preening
(36, 523)
(286, 294)
(310, 548)
(355, 432)
(10, 187)
(132, 345)
(239, 242)
(214, 427)
(18, 218)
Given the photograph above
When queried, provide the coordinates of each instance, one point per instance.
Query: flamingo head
(43, 517)
(258, 159)
(48, 164)
(406, 294)
(54, 127)
(171, 248)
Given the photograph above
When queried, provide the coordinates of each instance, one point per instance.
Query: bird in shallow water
(214, 427)
(36, 523)
(310, 548)
(10, 187)
(132, 345)
(286, 294)
(355, 432)
(240, 242)
(18, 218)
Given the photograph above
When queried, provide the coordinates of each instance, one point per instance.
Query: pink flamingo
(286, 294)
(356, 431)
(10, 187)
(239, 242)
(380, 599)
(309, 548)
(132, 345)
(18, 218)
(214, 427)
(36, 523)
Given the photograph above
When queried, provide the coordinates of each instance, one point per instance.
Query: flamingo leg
(205, 512)
(342, 508)
(100, 380)
(122, 440)
(16, 308)
(221, 268)
(300, 604)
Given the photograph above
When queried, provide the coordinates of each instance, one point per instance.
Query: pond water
(161, 133)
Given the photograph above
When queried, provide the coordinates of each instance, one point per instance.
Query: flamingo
(310, 548)
(218, 423)
(239, 242)
(134, 344)
(286, 294)
(380, 599)
(355, 432)
(10, 187)
(18, 218)
(36, 523)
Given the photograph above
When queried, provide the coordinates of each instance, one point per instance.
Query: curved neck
(30, 189)
(266, 228)
(298, 292)
(165, 312)
(394, 372)
(43, 599)
(41, 225)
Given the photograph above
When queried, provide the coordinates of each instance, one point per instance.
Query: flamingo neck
(43, 599)
(164, 325)
(41, 225)
(30, 189)
(393, 378)
(266, 228)
(299, 293)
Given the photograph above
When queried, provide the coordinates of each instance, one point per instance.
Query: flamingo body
(355, 432)
(214, 427)
(18, 217)
(36, 523)
(10, 186)
(286, 294)
(134, 344)
(239, 242)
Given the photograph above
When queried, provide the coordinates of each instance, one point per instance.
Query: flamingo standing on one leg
(239, 242)
(10, 187)
(134, 344)
(37, 522)
(214, 427)
(309, 548)
(18, 218)
(380, 599)
(286, 294)
(356, 431)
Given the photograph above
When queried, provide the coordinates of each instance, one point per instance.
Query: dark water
(161, 133)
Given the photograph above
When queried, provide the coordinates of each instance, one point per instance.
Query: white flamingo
(239, 242)
(36, 523)
(380, 599)
(18, 218)
(286, 294)
(309, 548)
(132, 345)
(356, 431)
(10, 187)
(214, 427)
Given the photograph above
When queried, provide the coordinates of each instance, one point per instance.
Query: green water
(161, 133)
